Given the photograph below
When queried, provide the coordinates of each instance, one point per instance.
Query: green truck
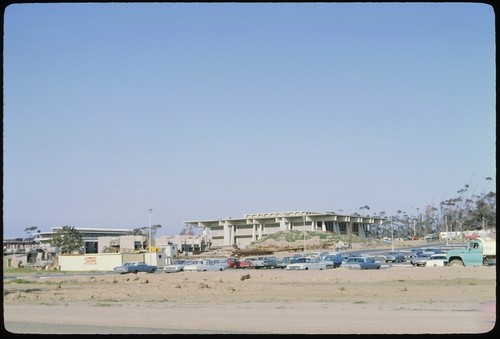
(479, 252)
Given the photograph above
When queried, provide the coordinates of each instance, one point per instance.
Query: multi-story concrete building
(241, 232)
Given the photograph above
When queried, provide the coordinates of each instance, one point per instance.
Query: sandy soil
(393, 300)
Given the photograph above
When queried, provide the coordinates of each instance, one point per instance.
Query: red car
(251, 263)
(245, 264)
(233, 263)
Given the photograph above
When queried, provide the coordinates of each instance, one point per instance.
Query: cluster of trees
(465, 212)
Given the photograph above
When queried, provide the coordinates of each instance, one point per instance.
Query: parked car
(269, 262)
(438, 259)
(251, 263)
(414, 252)
(219, 261)
(420, 259)
(431, 237)
(360, 263)
(317, 255)
(233, 263)
(409, 237)
(245, 264)
(135, 267)
(282, 263)
(177, 266)
(193, 266)
(395, 256)
(431, 251)
(206, 265)
(307, 264)
(334, 260)
(352, 254)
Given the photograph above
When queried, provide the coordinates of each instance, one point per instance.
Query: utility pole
(150, 257)
(446, 226)
(304, 235)
(392, 235)
(350, 233)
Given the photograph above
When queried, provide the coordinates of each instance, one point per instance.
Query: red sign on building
(90, 261)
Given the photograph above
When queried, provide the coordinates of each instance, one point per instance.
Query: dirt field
(393, 300)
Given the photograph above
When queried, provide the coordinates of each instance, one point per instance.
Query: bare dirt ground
(393, 300)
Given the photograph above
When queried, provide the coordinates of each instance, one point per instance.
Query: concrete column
(283, 224)
(349, 231)
(228, 234)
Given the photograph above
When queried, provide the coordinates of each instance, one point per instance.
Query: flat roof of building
(292, 214)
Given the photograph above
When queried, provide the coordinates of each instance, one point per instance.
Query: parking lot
(279, 301)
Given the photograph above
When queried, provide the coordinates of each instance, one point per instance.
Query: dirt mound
(293, 241)
(251, 252)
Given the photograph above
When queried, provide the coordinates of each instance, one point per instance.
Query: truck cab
(478, 252)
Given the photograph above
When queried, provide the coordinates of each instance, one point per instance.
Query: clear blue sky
(206, 111)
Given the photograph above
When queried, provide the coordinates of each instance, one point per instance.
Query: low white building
(184, 244)
(107, 261)
(122, 243)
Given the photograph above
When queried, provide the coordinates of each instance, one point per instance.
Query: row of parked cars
(431, 257)
(212, 264)
(334, 260)
(314, 261)
(420, 257)
(201, 265)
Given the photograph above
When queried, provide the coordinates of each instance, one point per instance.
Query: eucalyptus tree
(483, 214)
(429, 222)
(30, 231)
(456, 209)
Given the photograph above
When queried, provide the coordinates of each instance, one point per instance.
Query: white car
(135, 267)
(436, 260)
(177, 266)
(206, 265)
(419, 259)
(307, 264)
(360, 263)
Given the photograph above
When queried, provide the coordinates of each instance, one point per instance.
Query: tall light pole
(392, 235)
(446, 226)
(304, 235)
(150, 258)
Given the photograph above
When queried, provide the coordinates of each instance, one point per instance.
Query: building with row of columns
(241, 232)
